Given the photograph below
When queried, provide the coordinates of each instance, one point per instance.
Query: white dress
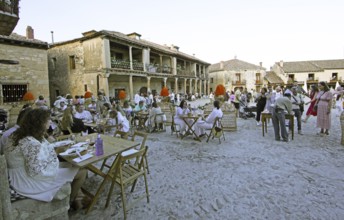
(34, 170)
(179, 121)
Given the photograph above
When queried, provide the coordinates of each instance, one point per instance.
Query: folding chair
(216, 130)
(170, 121)
(121, 134)
(124, 175)
(137, 135)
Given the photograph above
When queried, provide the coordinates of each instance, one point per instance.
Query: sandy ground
(247, 176)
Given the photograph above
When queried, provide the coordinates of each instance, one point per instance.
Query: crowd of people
(36, 172)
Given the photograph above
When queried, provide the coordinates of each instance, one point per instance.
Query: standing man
(282, 105)
(296, 100)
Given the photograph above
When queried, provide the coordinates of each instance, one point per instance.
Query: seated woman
(200, 126)
(156, 117)
(33, 167)
(182, 109)
(70, 122)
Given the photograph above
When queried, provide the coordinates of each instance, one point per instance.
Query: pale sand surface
(248, 176)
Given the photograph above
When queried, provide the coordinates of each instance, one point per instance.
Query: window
(53, 63)
(211, 80)
(13, 93)
(311, 76)
(85, 87)
(72, 62)
(258, 77)
(238, 77)
(291, 78)
(334, 76)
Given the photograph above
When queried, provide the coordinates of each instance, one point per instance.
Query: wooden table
(265, 116)
(186, 119)
(112, 146)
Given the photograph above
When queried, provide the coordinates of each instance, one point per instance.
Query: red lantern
(88, 95)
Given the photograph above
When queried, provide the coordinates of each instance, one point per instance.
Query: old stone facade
(236, 74)
(31, 72)
(311, 72)
(112, 61)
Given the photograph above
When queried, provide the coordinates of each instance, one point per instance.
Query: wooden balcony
(9, 16)
(335, 79)
(239, 83)
(259, 82)
(312, 80)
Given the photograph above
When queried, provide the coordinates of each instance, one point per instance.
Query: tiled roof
(272, 77)
(235, 64)
(139, 42)
(20, 38)
(311, 66)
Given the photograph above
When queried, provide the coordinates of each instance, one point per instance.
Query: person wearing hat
(282, 105)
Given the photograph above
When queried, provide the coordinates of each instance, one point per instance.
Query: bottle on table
(99, 146)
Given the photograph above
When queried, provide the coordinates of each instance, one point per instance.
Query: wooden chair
(137, 134)
(124, 175)
(216, 130)
(170, 122)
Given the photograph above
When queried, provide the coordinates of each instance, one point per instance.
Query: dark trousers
(278, 121)
(297, 114)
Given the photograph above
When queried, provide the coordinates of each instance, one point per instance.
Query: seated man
(83, 114)
(209, 121)
(156, 117)
(138, 108)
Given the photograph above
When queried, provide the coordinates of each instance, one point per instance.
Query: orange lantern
(164, 91)
(28, 96)
(220, 90)
(122, 95)
(88, 95)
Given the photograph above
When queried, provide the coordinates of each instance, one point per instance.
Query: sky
(254, 31)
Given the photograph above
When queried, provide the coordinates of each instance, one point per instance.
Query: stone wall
(31, 70)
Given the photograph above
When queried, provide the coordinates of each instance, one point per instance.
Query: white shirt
(84, 115)
(215, 113)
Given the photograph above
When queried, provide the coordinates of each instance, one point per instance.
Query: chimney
(134, 35)
(221, 65)
(281, 63)
(174, 47)
(29, 33)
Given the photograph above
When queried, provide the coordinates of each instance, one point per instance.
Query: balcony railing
(335, 79)
(154, 68)
(241, 82)
(120, 64)
(10, 6)
(125, 64)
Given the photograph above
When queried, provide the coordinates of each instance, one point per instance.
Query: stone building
(112, 61)
(30, 71)
(311, 72)
(236, 74)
